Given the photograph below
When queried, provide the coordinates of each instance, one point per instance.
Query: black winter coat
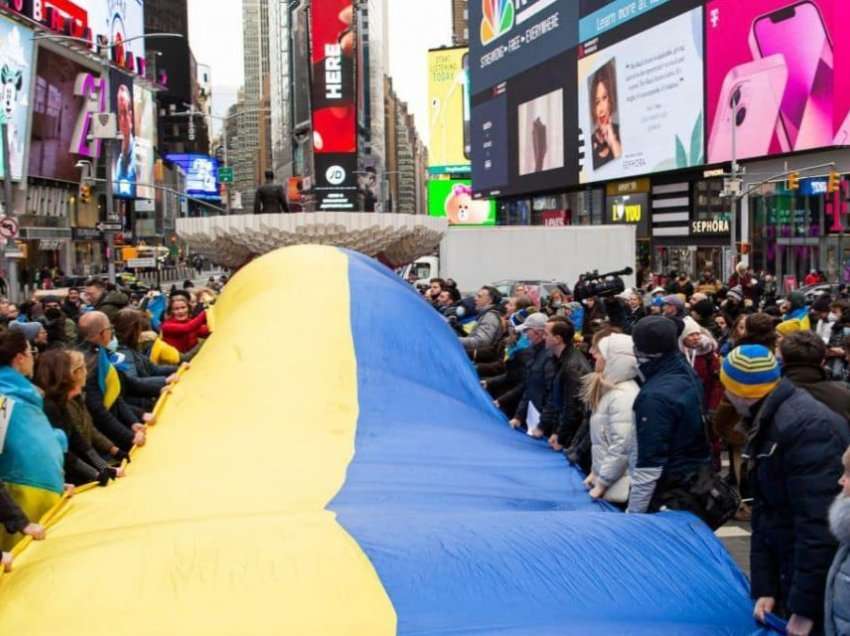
(540, 373)
(565, 411)
(115, 422)
(836, 395)
(794, 454)
(672, 444)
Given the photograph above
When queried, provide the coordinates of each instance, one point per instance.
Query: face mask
(113, 345)
(832, 317)
(741, 405)
(557, 304)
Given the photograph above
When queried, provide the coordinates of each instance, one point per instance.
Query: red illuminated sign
(334, 104)
(68, 18)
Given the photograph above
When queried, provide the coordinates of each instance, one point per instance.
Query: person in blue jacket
(31, 450)
(672, 446)
(794, 458)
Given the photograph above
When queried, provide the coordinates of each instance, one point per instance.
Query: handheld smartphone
(798, 33)
(748, 108)
(467, 138)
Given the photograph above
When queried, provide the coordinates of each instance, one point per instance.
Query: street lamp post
(194, 113)
(108, 143)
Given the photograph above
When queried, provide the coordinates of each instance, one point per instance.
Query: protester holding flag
(31, 451)
(180, 330)
(111, 415)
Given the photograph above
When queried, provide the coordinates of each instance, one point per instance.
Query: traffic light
(85, 193)
(794, 181)
(834, 184)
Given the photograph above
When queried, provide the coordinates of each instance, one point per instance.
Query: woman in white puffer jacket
(610, 393)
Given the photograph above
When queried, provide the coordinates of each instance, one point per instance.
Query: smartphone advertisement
(334, 107)
(772, 86)
(448, 97)
(640, 101)
(452, 199)
(524, 136)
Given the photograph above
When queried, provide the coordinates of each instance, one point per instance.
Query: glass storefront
(788, 233)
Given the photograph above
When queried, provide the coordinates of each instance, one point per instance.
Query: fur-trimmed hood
(839, 519)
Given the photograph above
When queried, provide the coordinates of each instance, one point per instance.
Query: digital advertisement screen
(334, 107)
(124, 158)
(524, 135)
(201, 175)
(448, 98)
(509, 37)
(640, 101)
(67, 96)
(103, 22)
(601, 16)
(144, 108)
(771, 79)
(452, 199)
(16, 73)
(118, 21)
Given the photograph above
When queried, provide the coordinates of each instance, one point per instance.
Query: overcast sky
(410, 37)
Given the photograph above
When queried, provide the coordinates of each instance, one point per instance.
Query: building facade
(460, 22)
(660, 155)
(254, 155)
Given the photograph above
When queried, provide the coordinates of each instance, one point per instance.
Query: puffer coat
(612, 424)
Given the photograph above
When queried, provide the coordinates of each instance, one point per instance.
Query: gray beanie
(29, 329)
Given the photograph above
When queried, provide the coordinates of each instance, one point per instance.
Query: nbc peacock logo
(498, 19)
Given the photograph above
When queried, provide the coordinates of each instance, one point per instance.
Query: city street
(467, 317)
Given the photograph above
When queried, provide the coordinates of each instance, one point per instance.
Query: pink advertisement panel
(776, 77)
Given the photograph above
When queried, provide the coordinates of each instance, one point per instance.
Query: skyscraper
(254, 156)
(460, 22)
(280, 87)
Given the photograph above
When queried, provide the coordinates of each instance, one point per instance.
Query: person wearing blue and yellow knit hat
(795, 445)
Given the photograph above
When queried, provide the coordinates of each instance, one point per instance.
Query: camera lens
(740, 116)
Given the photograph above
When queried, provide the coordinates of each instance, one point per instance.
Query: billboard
(16, 73)
(124, 158)
(509, 37)
(448, 98)
(101, 22)
(116, 22)
(67, 96)
(771, 79)
(640, 100)
(144, 109)
(334, 107)
(201, 175)
(452, 199)
(524, 133)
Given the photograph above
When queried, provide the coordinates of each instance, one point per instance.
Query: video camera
(601, 285)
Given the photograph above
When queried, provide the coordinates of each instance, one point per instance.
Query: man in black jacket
(672, 445)
(564, 413)
(270, 197)
(794, 459)
(539, 377)
(803, 355)
(117, 420)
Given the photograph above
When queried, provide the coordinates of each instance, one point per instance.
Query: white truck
(475, 257)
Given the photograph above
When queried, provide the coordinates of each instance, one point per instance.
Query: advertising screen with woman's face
(630, 101)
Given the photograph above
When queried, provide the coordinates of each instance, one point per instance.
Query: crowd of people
(723, 400)
(79, 377)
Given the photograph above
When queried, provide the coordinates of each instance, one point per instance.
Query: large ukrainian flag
(330, 465)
